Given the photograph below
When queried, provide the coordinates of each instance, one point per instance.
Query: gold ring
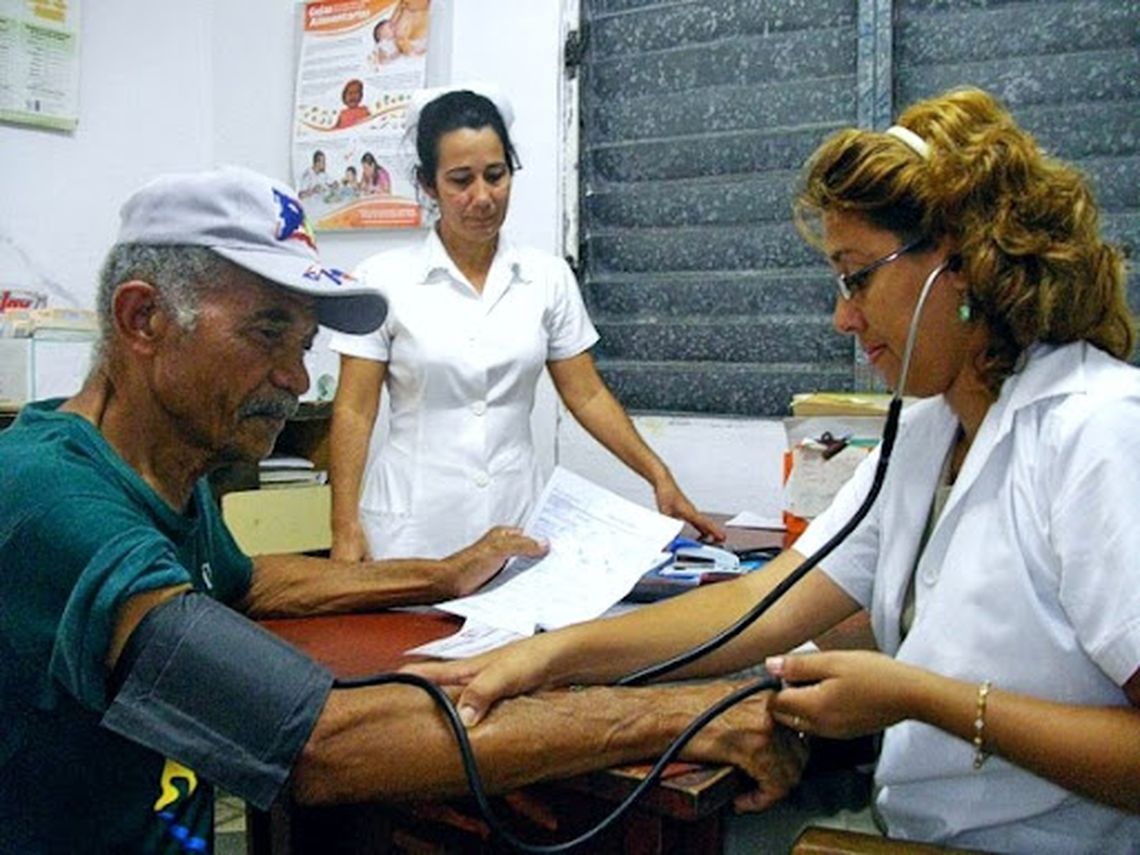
(795, 722)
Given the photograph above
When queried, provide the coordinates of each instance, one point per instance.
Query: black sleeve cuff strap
(208, 687)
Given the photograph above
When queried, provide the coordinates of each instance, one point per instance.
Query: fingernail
(467, 715)
(775, 665)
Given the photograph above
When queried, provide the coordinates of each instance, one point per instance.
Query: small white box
(36, 368)
(285, 519)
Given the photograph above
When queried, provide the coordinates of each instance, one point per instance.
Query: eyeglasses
(850, 284)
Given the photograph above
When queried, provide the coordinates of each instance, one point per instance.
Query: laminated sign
(815, 476)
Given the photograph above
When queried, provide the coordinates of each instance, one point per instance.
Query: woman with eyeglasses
(1001, 561)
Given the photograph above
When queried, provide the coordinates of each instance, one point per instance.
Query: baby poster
(360, 62)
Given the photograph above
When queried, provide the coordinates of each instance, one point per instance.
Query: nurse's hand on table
(471, 568)
(349, 542)
(745, 735)
(673, 503)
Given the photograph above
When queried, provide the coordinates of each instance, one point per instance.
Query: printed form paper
(600, 545)
(473, 638)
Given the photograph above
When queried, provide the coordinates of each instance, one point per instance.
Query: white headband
(911, 140)
(489, 91)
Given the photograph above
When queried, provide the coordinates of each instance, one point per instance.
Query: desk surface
(360, 644)
(682, 814)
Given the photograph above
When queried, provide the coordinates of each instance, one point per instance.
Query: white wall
(180, 86)
(176, 86)
(145, 107)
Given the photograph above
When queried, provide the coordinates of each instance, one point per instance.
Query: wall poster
(360, 62)
(39, 63)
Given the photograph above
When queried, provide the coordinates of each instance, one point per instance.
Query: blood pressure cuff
(202, 684)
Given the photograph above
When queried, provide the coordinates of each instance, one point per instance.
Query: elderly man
(132, 678)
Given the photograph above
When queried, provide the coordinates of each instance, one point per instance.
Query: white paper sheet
(723, 464)
(814, 481)
(600, 545)
(747, 519)
(471, 639)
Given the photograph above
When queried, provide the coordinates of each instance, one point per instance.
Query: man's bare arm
(391, 742)
(292, 585)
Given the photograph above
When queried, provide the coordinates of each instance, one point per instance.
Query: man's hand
(471, 568)
(747, 736)
(673, 503)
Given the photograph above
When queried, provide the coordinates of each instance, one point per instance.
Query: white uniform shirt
(462, 372)
(1031, 579)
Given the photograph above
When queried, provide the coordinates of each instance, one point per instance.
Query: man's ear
(140, 321)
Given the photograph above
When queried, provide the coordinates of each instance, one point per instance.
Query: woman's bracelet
(980, 753)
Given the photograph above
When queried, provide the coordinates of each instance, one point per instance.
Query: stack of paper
(289, 471)
(840, 403)
(600, 545)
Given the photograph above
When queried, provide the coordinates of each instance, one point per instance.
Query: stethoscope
(767, 682)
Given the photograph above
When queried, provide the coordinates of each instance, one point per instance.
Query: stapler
(692, 553)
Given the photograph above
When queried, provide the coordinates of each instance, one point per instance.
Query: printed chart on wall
(360, 62)
(39, 63)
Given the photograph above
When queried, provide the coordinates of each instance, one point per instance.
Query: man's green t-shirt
(80, 533)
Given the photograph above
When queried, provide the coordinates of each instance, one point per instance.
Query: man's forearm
(297, 585)
(285, 585)
(392, 743)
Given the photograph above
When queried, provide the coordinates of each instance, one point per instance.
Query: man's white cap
(258, 224)
(421, 98)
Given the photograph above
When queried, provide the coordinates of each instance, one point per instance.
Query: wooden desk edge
(690, 796)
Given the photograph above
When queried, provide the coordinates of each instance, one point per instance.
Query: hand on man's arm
(392, 742)
(298, 585)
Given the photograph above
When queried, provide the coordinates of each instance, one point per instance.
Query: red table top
(358, 644)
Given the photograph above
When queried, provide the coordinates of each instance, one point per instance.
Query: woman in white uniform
(999, 563)
(472, 321)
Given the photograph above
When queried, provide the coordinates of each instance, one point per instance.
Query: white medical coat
(1031, 579)
(462, 373)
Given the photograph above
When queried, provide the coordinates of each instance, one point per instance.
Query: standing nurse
(472, 321)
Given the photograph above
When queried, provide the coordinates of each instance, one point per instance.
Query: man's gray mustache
(284, 407)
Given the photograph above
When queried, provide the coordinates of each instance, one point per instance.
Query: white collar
(436, 262)
(1048, 371)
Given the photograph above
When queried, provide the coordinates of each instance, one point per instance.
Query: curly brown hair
(1025, 224)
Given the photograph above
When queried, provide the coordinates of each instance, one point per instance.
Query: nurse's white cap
(490, 91)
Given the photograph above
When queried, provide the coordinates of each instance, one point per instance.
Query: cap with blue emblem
(258, 224)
